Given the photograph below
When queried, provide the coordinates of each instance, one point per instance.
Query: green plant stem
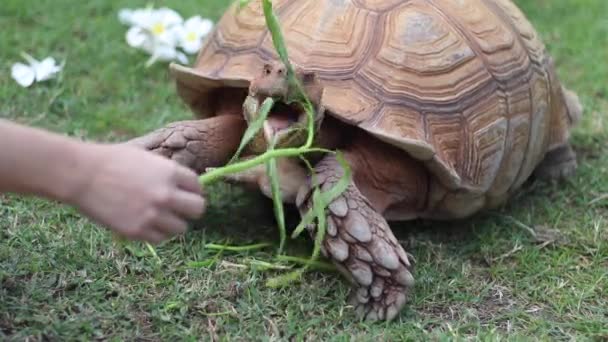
(218, 173)
(314, 263)
(238, 248)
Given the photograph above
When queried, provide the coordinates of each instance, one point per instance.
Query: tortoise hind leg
(558, 164)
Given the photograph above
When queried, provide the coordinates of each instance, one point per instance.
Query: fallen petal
(46, 69)
(23, 74)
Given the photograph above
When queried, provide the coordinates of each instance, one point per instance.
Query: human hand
(138, 194)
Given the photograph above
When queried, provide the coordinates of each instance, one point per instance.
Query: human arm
(133, 192)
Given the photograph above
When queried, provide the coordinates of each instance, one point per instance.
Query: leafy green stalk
(254, 127)
(275, 186)
(313, 263)
(219, 173)
(237, 248)
(279, 44)
(318, 206)
(320, 200)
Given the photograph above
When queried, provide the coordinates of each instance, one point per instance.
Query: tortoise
(441, 108)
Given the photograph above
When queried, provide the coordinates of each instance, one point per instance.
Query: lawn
(536, 268)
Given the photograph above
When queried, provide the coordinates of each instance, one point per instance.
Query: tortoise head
(287, 121)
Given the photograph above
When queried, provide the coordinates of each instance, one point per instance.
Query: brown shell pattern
(464, 85)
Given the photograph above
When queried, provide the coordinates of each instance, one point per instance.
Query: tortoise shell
(465, 86)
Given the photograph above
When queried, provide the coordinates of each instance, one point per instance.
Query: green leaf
(237, 248)
(277, 36)
(333, 193)
(328, 196)
(273, 175)
(272, 22)
(285, 279)
(202, 263)
(319, 206)
(310, 263)
(255, 126)
(153, 251)
(320, 199)
(261, 265)
(307, 220)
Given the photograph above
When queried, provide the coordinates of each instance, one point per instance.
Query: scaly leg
(359, 240)
(197, 144)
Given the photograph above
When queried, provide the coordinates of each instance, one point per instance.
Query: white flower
(160, 31)
(190, 35)
(159, 50)
(159, 24)
(166, 53)
(38, 71)
(153, 31)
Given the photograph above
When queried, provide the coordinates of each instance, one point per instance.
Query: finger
(188, 204)
(169, 223)
(155, 236)
(188, 180)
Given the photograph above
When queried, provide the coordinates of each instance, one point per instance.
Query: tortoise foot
(386, 306)
(360, 243)
(558, 164)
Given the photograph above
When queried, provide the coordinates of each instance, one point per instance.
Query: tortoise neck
(332, 134)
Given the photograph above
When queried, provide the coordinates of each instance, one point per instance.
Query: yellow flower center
(158, 29)
(191, 36)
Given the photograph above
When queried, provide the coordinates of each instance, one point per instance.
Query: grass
(537, 268)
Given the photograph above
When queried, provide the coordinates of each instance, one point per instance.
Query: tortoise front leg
(361, 244)
(197, 144)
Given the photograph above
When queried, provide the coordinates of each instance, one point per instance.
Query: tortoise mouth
(283, 120)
